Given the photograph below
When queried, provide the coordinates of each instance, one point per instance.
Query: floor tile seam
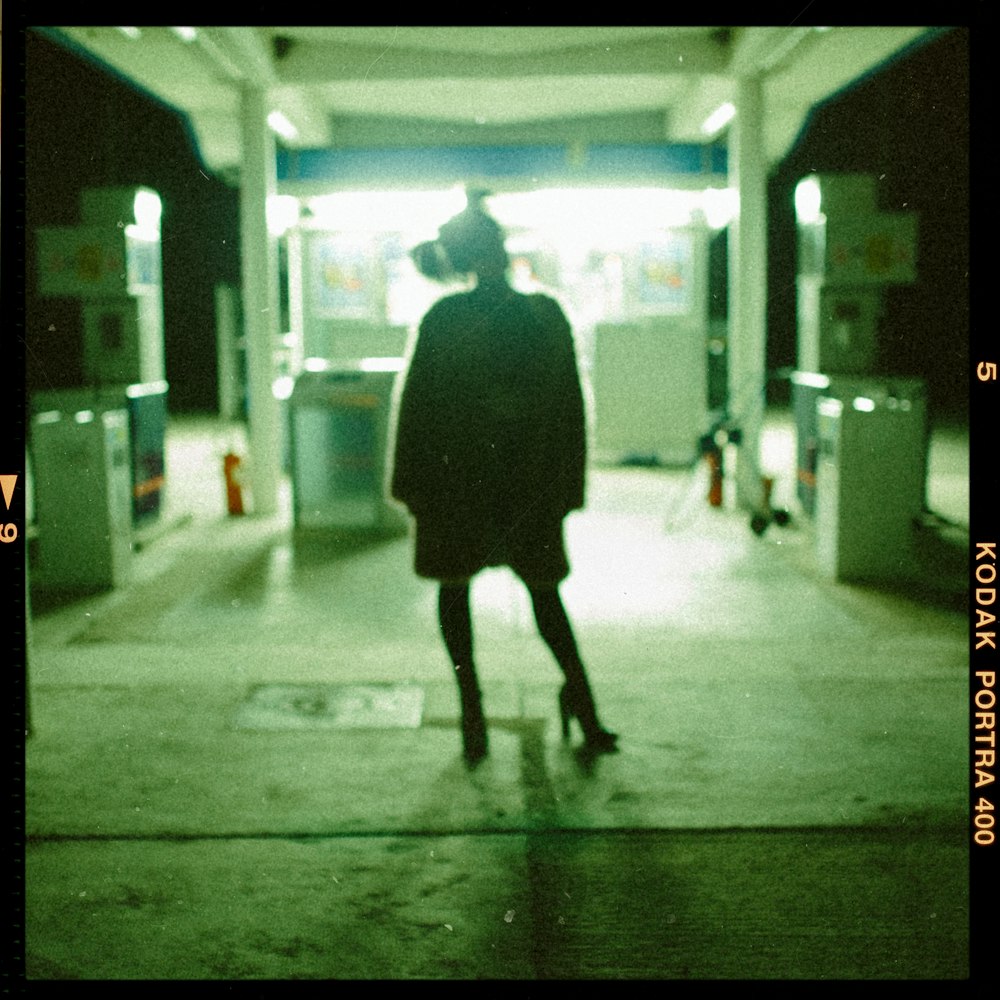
(945, 828)
(639, 649)
(490, 679)
(695, 649)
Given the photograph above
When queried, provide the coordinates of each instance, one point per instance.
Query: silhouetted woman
(490, 455)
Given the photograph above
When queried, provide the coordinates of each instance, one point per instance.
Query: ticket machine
(110, 262)
(861, 437)
(849, 252)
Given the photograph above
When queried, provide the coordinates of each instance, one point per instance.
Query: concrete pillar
(261, 310)
(747, 360)
(296, 299)
(227, 351)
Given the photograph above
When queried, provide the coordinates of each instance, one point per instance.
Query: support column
(226, 351)
(261, 311)
(748, 285)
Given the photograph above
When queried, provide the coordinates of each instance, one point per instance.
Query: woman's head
(470, 243)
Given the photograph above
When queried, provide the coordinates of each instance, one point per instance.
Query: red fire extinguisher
(234, 487)
(714, 458)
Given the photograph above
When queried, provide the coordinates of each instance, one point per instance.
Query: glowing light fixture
(137, 391)
(280, 124)
(185, 34)
(418, 212)
(720, 206)
(609, 211)
(808, 201)
(720, 117)
(282, 213)
(147, 210)
(134, 33)
(566, 214)
(864, 404)
(380, 364)
(812, 379)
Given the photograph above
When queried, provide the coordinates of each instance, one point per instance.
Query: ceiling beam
(244, 48)
(306, 62)
(759, 50)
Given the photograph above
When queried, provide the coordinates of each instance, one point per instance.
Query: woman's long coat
(490, 446)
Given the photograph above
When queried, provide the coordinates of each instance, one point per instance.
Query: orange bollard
(234, 488)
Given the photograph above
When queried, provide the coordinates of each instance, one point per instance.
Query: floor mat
(331, 706)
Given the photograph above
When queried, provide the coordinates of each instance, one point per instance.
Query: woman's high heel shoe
(597, 740)
(475, 745)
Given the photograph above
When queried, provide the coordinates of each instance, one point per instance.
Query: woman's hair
(468, 242)
(431, 261)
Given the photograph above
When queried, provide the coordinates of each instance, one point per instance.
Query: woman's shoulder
(543, 300)
(447, 305)
(547, 308)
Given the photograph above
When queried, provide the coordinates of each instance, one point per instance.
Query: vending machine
(650, 352)
(343, 283)
(849, 252)
(111, 264)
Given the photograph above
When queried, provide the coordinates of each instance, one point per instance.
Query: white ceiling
(487, 77)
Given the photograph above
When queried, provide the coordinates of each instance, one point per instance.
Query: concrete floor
(224, 783)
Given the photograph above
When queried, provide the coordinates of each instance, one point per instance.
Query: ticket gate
(870, 478)
(146, 406)
(82, 498)
(339, 420)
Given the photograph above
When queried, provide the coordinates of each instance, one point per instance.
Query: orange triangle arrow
(7, 484)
